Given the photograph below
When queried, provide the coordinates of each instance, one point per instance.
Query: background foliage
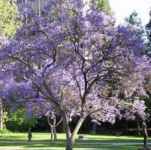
(8, 14)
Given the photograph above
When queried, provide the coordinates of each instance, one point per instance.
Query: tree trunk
(138, 128)
(1, 115)
(55, 133)
(54, 128)
(69, 145)
(29, 134)
(51, 133)
(145, 133)
(77, 128)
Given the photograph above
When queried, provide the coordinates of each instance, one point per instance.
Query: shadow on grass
(61, 144)
(89, 143)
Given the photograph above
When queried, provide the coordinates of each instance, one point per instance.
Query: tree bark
(69, 145)
(145, 133)
(77, 128)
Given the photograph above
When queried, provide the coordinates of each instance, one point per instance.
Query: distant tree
(20, 117)
(104, 5)
(134, 19)
(135, 22)
(8, 18)
(53, 123)
(148, 33)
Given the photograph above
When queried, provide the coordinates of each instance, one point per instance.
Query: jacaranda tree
(76, 60)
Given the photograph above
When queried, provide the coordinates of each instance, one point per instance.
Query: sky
(122, 9)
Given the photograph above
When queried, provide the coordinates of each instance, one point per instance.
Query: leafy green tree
(8, 15)
(104, 5)
(21, 119)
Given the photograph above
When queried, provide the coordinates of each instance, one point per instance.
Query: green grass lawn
(41, 141)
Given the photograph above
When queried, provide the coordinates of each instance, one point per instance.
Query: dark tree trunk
(29, 134)
(69, 145)
(145, 133)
